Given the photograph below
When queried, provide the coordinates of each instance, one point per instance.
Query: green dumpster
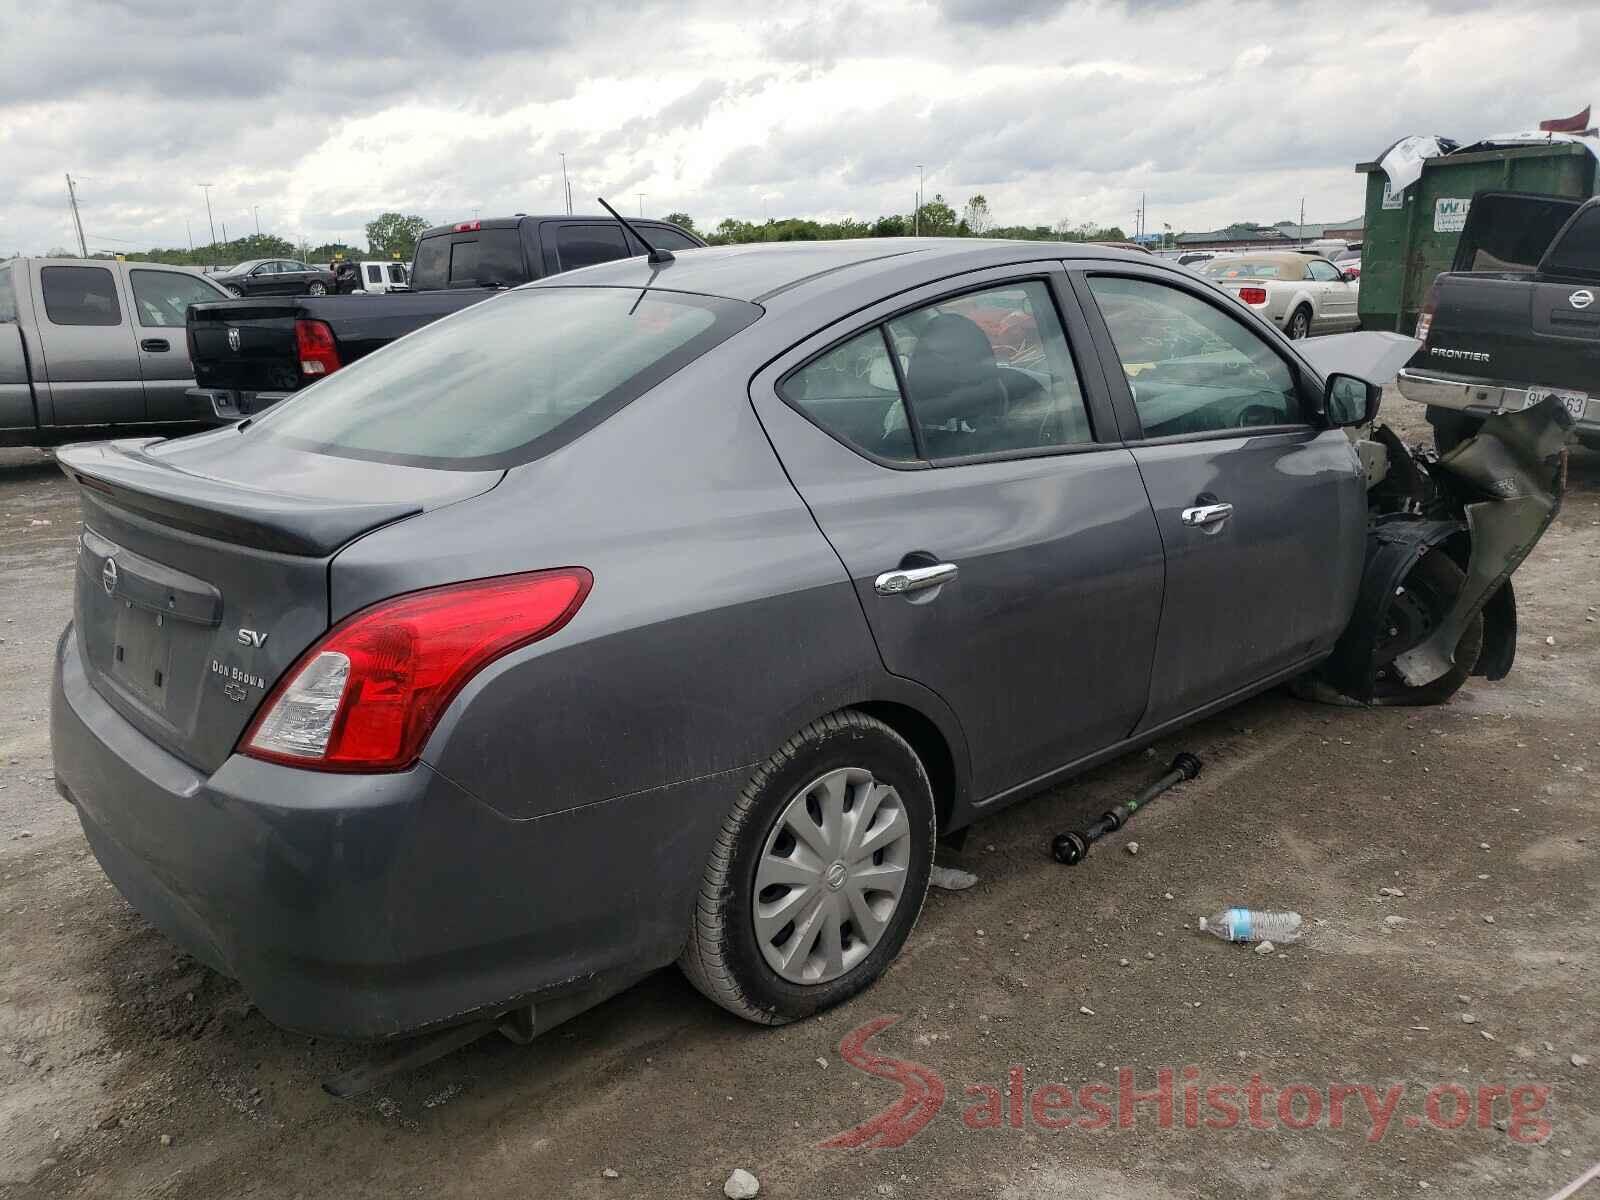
(1409, 239)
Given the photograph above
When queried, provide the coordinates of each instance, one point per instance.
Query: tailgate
(1510, 329)
(202, 570)
(245, 345)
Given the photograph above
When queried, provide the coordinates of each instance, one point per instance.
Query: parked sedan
(277, 277)
(672, 611)
(1302, 294)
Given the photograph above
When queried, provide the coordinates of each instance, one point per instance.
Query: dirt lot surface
(128, 1070)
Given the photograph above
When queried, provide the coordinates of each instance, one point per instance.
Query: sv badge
(249, 637)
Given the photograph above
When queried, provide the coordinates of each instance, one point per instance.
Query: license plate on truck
(1573, 401)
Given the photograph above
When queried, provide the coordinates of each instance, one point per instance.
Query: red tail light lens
(319, 353)
(1425, 317)
(366, 697)
(469, 226)
(1253, 295)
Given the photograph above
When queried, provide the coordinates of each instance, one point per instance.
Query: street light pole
(566, 185)
(206, 188)
(77, 221)
(256, 208)
(916, 219)
(641, 203)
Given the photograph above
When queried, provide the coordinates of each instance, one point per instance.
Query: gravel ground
(128, 1070)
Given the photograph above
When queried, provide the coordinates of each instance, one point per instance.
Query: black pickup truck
(249, 354)
(1516, 319)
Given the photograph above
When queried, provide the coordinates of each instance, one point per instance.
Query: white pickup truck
(1301, 293)
(383, 277)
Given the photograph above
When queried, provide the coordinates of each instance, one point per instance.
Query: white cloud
(325, 115)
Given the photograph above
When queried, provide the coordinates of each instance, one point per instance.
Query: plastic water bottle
(1249, 925)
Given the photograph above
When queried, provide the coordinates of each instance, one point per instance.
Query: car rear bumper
(370, 906)
(233, 405)
(1480, 398)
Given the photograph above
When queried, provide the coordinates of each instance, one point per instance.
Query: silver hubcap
(831, 876)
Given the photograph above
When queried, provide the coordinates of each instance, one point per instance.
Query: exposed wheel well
(931, 748)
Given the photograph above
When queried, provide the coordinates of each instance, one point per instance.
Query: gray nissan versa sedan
(670, 611)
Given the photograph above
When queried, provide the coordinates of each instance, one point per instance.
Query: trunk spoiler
(123, 475)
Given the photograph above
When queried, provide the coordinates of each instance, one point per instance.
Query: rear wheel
(1421, 602)
(818, 874)
(1300, 323)
(318, 289)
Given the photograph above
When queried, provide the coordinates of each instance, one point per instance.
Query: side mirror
(1348, 401)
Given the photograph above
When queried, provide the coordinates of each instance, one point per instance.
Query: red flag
(1575, 124)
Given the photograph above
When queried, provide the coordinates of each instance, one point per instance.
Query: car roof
(513, 222)
(760, 272)
(42, 261)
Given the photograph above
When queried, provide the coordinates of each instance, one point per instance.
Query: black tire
(1429, 590)
(1299, 326)
(1451, 428)
(722, 958)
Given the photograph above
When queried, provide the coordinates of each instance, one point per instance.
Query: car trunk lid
(203, 566)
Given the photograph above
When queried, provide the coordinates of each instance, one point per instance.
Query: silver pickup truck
(91, 346)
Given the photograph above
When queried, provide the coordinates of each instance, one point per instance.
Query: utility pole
(224, 233)
(566, 184)
(206, 188)
(916, 220)
(256, 208)
(190, 232)
(1302, 222)
(641, 196)
(77, 221)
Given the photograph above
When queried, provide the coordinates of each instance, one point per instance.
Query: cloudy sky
(324, 114)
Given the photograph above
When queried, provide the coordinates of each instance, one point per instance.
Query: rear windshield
(481, 258)
(1242, 268)
(507, 380)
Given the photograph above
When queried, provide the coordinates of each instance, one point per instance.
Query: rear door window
(80, 296)
(989, 372)
(374, 273)
(667, 239)
(433, 263)
(584, 245)
(526, 372)
(161, 299)
(851, 391)
(397, 273)
(489, 258)
(1191, 367)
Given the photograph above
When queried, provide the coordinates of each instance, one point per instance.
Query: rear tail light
(319, 353)
(468, 226)
(1253, 295)
(366, 697)
(1425, 317)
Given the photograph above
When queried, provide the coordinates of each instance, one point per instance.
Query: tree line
(935, 218)
(393, 235)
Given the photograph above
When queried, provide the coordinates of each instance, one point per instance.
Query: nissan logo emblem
(1581, 299)
(233, 340)
(108, 577)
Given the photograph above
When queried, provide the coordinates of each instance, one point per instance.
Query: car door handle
(155, 345)
(914, 579)
(1207, 514)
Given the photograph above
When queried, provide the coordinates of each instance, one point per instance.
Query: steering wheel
(1259, 414)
